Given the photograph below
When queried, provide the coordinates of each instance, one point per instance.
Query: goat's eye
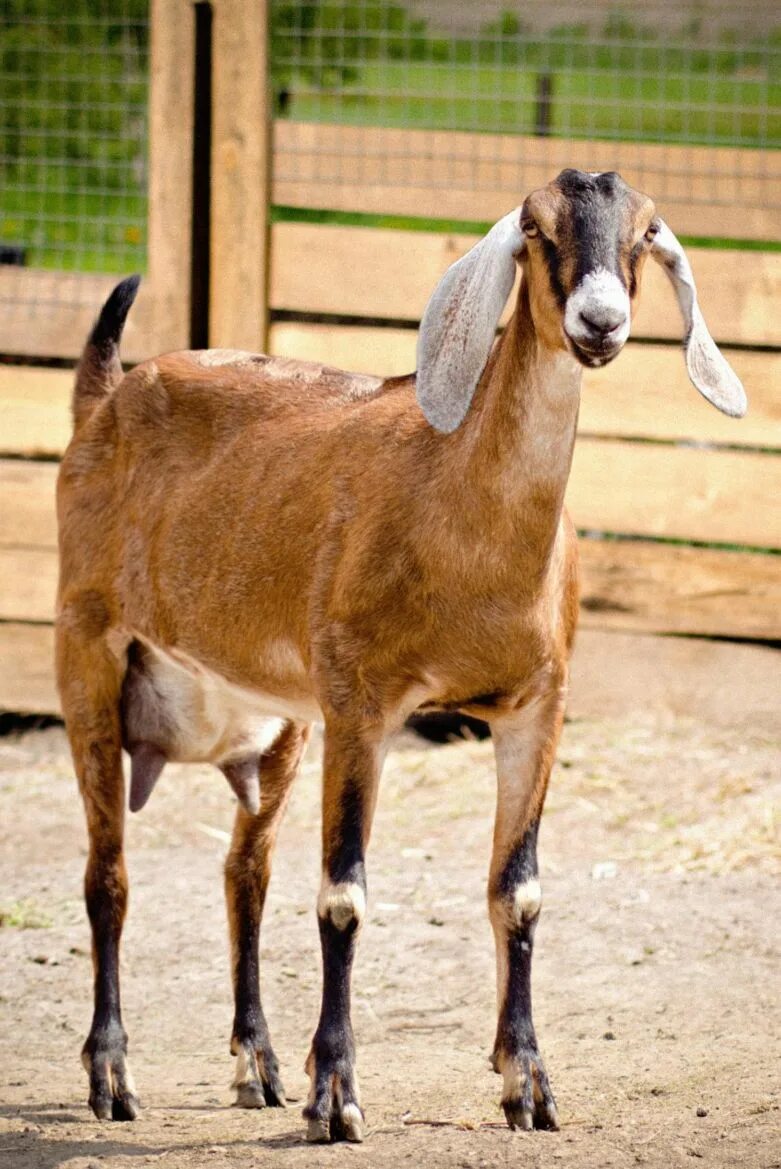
(529, 228)
(652, 232)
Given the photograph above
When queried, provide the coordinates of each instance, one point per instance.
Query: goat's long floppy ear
(707, 369)
(460, 320)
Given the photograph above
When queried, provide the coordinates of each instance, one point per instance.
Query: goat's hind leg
(90, 679)
(525, 748)
(247, 872)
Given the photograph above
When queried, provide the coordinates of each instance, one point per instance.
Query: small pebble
(609, 1035)
(702, 1111)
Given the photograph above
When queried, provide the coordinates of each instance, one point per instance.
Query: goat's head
(583, 241)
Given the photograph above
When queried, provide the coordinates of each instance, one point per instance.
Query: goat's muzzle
(597, 318)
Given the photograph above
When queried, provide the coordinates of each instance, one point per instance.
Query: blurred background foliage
(74, 84)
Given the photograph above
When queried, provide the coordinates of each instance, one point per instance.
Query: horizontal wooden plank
(388, 274)
(641, 489)
(625, 584)
(34, 410)
(27, 504)
(28, 584)
(27, 683)
(665, 588)
(623, 675)
(644, 393)
(49, 314)
(676, 492)
(613, 674)
(701, 190)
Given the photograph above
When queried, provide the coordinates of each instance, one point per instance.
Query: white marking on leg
(527, 900)
(518, 746)
(342, 903)
(514, 1080)
(247, 1071)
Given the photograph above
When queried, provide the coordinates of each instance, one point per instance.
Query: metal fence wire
(703, 72)
(73, 133)
(74, 85)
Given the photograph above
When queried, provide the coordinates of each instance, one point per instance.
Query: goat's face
(583, 241)
(587, 238)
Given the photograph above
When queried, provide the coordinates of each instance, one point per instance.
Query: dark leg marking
(112, 1092)
(104, 1055)
(527, 1098)
(247, 873)
(333, 1110)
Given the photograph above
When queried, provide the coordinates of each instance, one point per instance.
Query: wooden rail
(443, 174)
(392, 273)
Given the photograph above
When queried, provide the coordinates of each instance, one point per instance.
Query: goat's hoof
(250, 1096)
(527, 1101)
(112, 1093)
(257, 1083)
(318, 1131)
(345, 1124)
(333, 1112)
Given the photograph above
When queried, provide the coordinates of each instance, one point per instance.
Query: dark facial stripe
(554, 271)
(634, 257)
(591, 220)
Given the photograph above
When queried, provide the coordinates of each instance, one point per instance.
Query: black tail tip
(109, 325)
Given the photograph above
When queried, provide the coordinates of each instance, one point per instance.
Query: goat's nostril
(604, 322)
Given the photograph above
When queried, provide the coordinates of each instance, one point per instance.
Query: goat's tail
(99, 371)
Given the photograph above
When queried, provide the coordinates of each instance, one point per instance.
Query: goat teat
(168, 717)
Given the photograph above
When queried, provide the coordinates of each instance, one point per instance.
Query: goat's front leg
(247, 873)
(351, 774)
(524, 748)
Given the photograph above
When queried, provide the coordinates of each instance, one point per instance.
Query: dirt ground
(656, 978)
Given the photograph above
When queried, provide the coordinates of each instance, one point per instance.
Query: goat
(251, 544)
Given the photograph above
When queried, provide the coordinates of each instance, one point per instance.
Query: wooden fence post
(241, 158)
(172, 79)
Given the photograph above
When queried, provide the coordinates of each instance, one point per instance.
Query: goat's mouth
(593, 357)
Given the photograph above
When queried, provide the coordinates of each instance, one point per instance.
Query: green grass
(24, 915)
(692, 108)
(75, 231)
(69, 229)
(281, 214)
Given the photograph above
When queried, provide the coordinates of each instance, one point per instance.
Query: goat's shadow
(43, 1150)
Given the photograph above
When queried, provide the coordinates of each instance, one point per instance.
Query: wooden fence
(678, 505)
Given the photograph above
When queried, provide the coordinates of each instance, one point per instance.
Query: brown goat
(251, 544)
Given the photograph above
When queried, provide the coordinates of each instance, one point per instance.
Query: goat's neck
(517, 440)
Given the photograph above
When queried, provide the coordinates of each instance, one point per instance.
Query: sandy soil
(656, 978)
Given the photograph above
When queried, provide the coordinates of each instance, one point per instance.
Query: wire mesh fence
(73, 133)
(700, 74)
(434, 94)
